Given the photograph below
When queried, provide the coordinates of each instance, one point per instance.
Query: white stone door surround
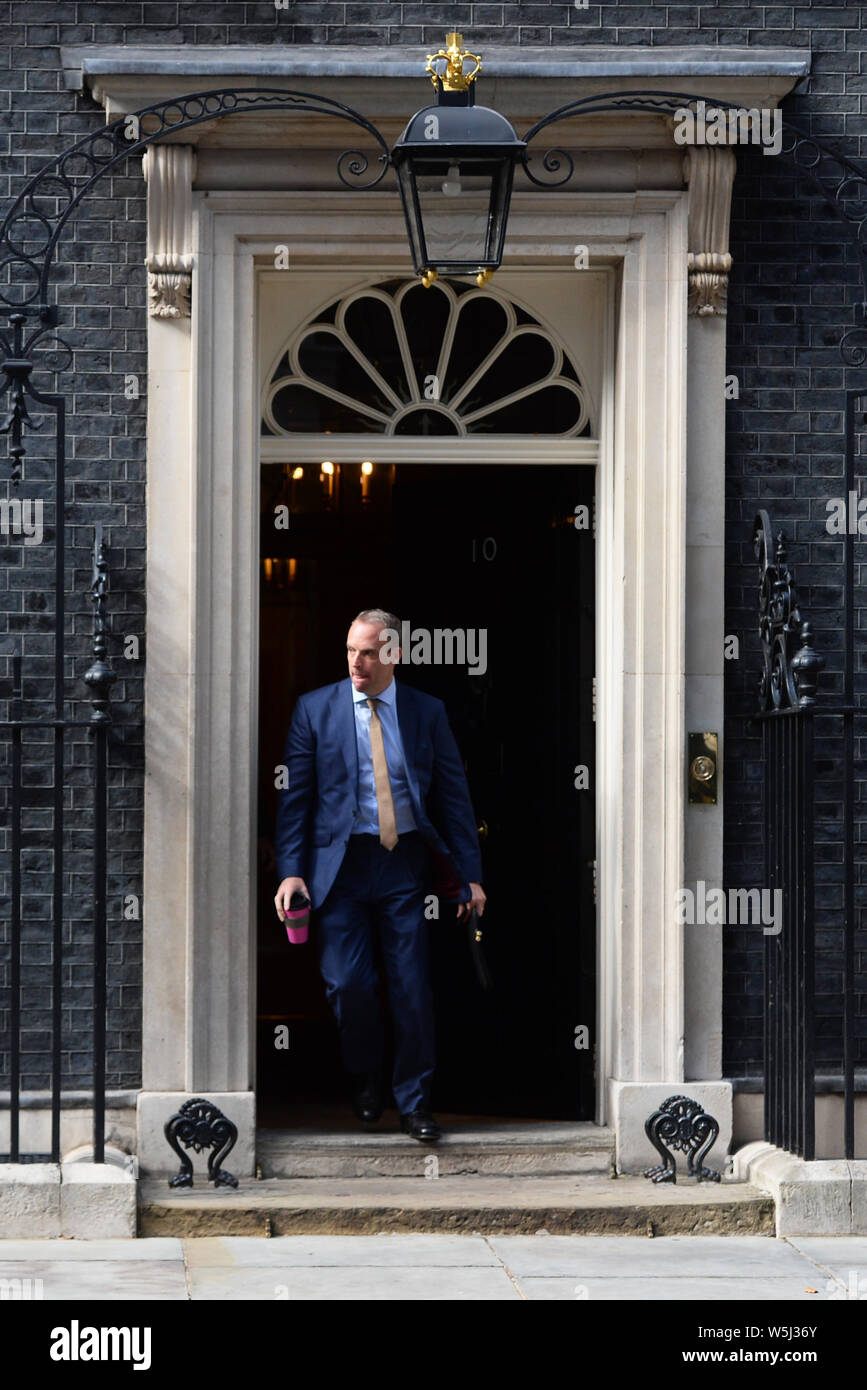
(201, 710)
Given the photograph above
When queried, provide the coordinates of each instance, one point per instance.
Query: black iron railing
(788, 712)
(52, 801)
(24, 738)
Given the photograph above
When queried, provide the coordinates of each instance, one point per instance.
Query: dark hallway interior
(473, 547)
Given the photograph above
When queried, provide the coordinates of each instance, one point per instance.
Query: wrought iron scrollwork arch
(652, 102)
(66, 179)
(832, 176)
(43, 208)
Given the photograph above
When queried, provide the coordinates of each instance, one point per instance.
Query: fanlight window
(401, 359)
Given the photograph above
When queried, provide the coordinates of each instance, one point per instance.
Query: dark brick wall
(790, 294)
(795, 292)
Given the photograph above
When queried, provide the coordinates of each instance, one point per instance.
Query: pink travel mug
(298, 919)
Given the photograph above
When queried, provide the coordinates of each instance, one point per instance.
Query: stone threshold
(466, 1148)
(587, 1205)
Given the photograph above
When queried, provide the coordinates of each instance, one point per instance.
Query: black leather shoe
(421, 1125)
(367, 1098)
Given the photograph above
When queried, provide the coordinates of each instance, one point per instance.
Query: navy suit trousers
(383, 891)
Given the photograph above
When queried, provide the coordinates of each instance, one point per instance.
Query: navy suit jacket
(317, 810)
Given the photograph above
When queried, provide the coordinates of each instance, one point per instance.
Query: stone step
(542, 1149)
(501, 1204)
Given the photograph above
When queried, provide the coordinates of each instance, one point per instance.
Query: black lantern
(455, 163)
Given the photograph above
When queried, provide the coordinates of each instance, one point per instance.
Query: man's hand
(477, 901)
(284, 893)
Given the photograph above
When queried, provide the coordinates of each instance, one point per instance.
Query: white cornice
(524, 83)
(334, 61)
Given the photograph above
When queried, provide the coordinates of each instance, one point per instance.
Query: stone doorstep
(825, 1197)
(586, 1205)
(76, 1198)
(537, 1150)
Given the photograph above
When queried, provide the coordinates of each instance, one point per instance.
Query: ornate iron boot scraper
(683, 1123)
(200, 1125)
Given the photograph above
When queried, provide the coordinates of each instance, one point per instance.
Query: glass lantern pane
(455, 213)
(406, 183)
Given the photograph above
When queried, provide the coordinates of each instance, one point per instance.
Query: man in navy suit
(375, 781)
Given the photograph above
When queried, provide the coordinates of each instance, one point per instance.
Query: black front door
(495, 551)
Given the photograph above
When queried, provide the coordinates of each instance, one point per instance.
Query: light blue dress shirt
(386, 708)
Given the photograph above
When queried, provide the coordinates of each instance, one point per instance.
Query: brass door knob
(703, 764)
(483, 830)
(702, 769)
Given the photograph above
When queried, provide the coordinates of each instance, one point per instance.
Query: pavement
(430, 1267)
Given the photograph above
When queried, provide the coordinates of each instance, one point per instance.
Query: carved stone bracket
(710, 172)
(169, 171)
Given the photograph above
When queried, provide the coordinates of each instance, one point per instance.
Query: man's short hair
(377, 615)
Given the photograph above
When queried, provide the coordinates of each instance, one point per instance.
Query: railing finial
(99, 675)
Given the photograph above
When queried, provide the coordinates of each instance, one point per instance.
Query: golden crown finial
(452, 76)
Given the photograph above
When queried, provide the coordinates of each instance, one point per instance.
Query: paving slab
(290, 1284)
(117, 1279)
(438, 1267)
(160, 1248)
(668, 1290)
(692, 1257)
(372, 1252)
(841, 1258)
(829, 1250)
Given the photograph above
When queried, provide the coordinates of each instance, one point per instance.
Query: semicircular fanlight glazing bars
(399, 359)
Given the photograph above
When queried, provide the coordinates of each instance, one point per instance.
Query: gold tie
(384, 802)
